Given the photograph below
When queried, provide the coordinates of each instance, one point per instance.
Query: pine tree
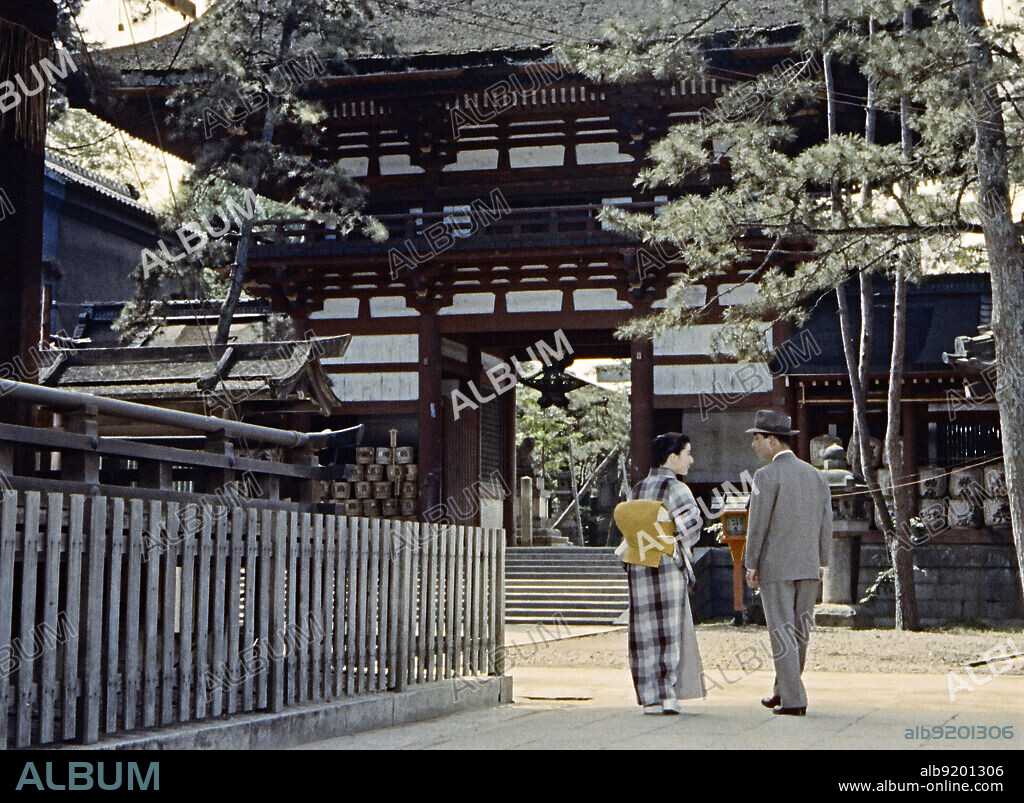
(247, 100)
(852, 205)
(998, 157)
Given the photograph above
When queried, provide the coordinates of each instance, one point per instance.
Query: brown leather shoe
(793, 712)
(771, 702)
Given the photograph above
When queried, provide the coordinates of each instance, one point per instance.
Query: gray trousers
(789, 614)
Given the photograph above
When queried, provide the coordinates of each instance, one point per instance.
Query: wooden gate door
(460, 470)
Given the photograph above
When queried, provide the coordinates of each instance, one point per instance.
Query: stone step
(550, 550)
(600, 577)
(546, 583)
(543, 561)
(619, 604)
(615, 607)
(565, 585)
(543, 593)
(565, 565)
(558, 619)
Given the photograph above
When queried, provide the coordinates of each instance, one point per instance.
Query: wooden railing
(119, 613)
(127, 604)
(522, 226)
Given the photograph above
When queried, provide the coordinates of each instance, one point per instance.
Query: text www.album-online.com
(953, 778)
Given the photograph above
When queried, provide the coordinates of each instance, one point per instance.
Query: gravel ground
(726, 647)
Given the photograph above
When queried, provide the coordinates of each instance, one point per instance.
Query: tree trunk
(858, 372)
(241, 263)
(859, 369)
(867, 308)
(1006, 261)
(858, 392)
(898, 539)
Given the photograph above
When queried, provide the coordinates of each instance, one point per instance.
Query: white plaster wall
(691, 340)
(390, 307)
(355, 165)
(375, 349)
(401, 386)
(693, 296)
(602, 298)
(338, 308)
(534, 301)
(600, 153)
(729, 294)
(395, 164)
(733, 378)
(470, 304)
(473, 160)
(537, 156)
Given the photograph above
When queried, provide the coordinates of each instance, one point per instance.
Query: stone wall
(955, 583)
(713, 599)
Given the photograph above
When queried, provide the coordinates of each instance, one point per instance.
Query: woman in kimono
(663, 653)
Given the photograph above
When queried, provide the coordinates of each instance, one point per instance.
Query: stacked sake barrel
(958, 499)
(996, 506)
(380, 484)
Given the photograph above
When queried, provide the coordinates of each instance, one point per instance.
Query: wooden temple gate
(139, 607)
(494, 242)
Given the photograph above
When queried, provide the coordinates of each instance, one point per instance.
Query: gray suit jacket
(789, 531)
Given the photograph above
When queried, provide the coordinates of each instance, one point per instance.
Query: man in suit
(789, 532)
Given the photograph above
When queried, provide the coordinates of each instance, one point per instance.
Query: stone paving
(594, 708)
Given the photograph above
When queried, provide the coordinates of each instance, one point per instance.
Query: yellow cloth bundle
(648, 532)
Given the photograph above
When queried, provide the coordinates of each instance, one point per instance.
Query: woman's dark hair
(667, 444)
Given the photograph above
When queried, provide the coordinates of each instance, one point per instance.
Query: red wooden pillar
(641, 405)
(781, 332)
(803, 438)
(429, 409)
(508, 468)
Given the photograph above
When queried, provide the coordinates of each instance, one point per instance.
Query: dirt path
(726, 647)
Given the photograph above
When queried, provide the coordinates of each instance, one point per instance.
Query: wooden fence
(119, 612)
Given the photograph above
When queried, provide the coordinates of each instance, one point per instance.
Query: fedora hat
(769, 422)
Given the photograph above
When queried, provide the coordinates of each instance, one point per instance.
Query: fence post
(218, 478)
(79, 466)
(277, 650)
(499, 593)
(89, 723)
(307, 489)
(8, 544)
(155, 474)
(405, 603)
(29, 559)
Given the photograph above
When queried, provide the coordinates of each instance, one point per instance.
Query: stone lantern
(849, 523)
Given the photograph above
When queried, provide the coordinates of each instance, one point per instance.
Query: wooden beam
(641, 407)
(56, 440)
(429, 409)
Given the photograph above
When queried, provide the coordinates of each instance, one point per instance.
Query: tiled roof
(288, 370)
(939, 310)
(459, 27)
(58, 165)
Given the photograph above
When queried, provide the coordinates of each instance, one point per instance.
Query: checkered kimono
(663, 653)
